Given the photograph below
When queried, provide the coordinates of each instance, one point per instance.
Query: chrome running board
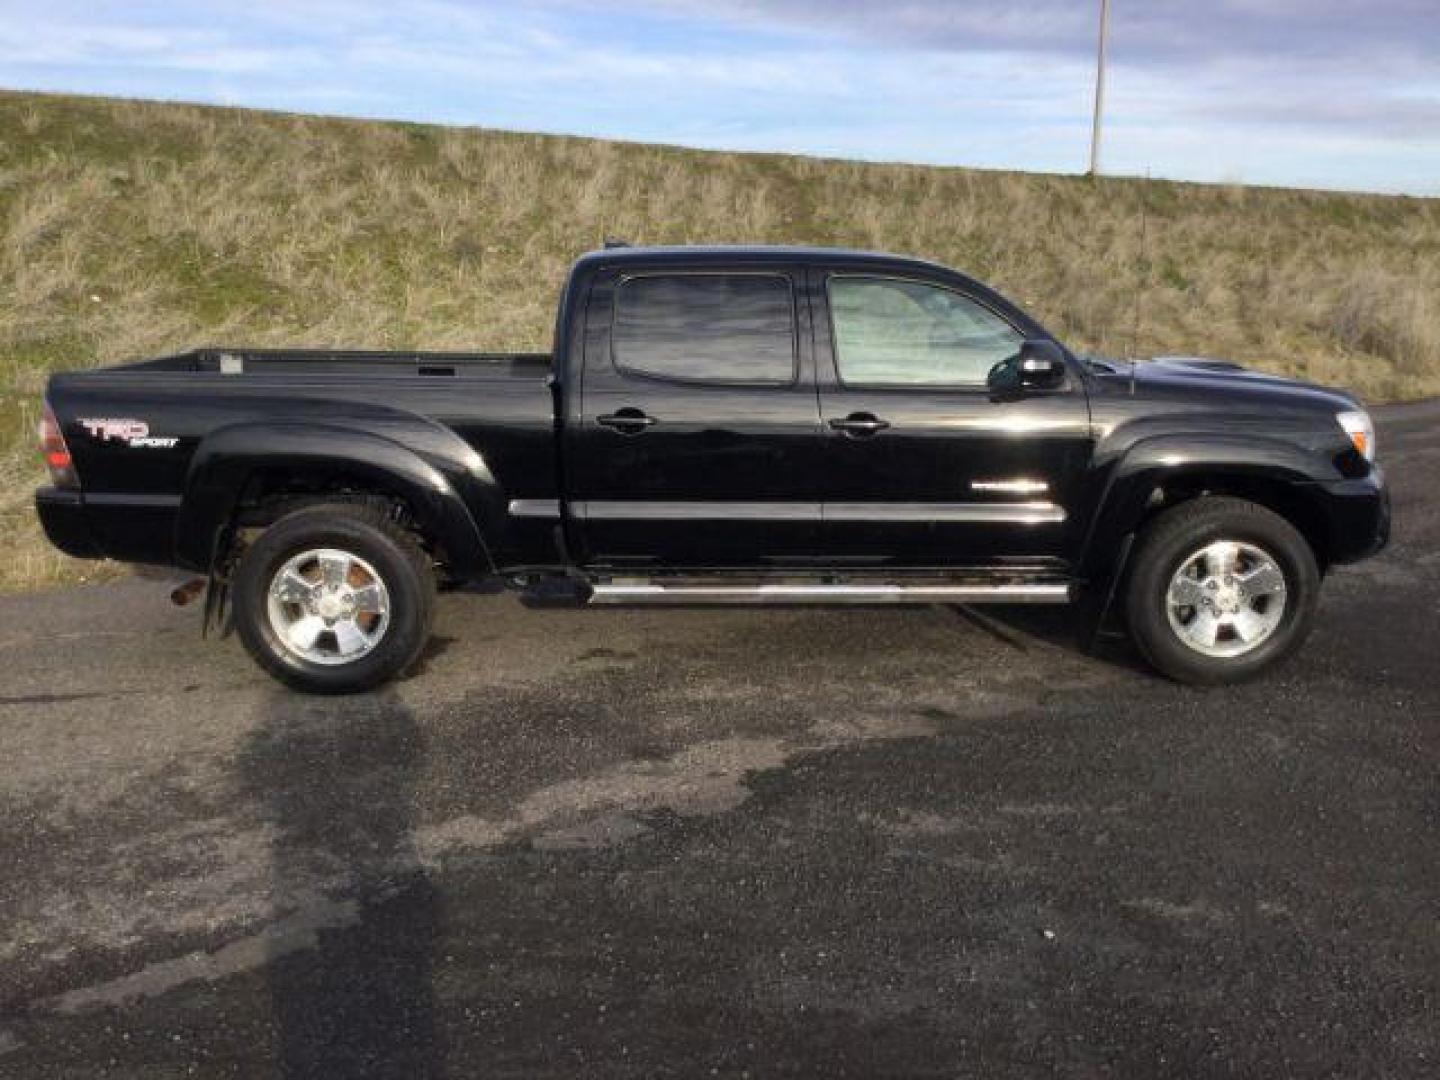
(650, 593)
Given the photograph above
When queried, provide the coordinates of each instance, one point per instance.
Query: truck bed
(486, 420)
(239, 361)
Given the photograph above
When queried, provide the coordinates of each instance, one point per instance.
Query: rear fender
(227, 459)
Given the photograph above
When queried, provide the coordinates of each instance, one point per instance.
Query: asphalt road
(846, 842)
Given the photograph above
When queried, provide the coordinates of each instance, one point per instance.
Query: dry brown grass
(135, 228)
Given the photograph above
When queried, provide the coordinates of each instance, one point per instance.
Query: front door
(924, 465)
(698, 442)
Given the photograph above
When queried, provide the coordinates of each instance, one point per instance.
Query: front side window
(707, 328)
(905, 333)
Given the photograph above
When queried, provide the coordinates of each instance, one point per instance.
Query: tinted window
(715, 328)
(903, 333)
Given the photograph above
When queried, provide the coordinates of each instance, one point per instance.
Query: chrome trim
(534, 508)
(1049, 593)
(1019, 513)
(697, 511)
(1011, 487)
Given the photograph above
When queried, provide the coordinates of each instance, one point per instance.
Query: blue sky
(1317, 93)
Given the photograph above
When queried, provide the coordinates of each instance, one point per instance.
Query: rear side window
(707, 328)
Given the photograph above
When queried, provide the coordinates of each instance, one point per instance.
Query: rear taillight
(57, 454)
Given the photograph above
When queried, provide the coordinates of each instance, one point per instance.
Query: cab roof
(620, 255)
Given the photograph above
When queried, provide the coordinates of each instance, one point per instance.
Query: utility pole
(1099, 88)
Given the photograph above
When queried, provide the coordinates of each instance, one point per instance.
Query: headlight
(1361, 429)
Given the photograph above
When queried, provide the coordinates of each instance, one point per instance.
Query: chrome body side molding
(1019, 513)
(535, 508)
(979, 513)
(1017, 486)
(640, 510)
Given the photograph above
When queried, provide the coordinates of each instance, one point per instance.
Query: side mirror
(1039, 365)
(1042, 365)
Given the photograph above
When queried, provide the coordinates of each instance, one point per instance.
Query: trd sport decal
(134, 433)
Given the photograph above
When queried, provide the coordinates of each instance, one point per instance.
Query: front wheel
(334, 599)
(1220, 588)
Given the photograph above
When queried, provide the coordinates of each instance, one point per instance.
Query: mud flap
(217, 592)
(217, 589)
(1095, 628)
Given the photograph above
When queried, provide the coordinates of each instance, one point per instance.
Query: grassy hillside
(131, 228)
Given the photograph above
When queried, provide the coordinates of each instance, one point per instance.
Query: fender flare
(227, 458)
(1153, 462)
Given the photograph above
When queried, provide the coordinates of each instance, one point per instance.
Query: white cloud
(920, 81)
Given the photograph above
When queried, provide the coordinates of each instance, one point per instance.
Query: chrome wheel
(1226, 599)
(328, 606)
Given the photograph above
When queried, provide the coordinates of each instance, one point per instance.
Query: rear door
(699, 442)
(924, 465)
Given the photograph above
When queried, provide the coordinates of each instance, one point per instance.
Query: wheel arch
(1295, 502)
(240, 474)
(1157, 475)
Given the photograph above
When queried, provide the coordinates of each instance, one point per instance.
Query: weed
(131, 228)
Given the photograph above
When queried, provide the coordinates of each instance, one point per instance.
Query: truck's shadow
(336, 780)
(1067, 628)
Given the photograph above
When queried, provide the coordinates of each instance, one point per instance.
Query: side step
(653, 594)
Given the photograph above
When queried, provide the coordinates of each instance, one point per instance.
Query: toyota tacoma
(728, 425)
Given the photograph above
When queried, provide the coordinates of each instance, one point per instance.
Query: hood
(1214, 382)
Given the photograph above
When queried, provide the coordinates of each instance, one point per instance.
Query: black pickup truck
(722, 426)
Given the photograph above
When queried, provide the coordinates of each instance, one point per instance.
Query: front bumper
(62, 515)
(1359, 515)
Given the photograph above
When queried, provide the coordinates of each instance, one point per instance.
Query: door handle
(859, 425)
(626, 421)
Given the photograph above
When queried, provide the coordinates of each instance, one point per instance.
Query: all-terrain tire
(1164, 549)
(377, 547)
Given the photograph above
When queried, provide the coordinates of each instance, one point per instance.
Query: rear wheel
(1219, 589)
(334, 598)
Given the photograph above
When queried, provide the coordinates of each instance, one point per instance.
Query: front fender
(227, 458)
(1129, 481)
